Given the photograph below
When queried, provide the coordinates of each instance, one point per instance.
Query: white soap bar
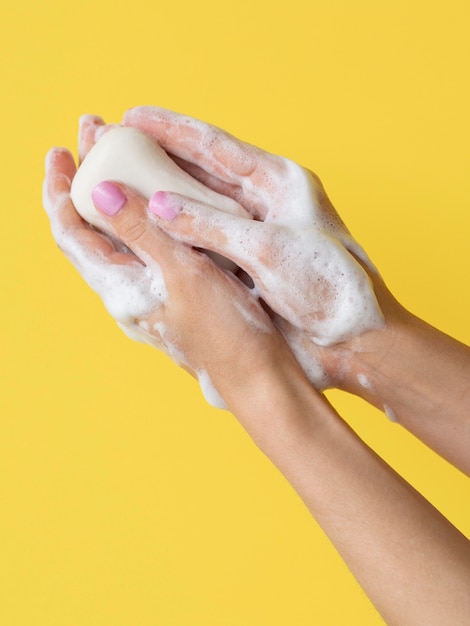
(130, 156)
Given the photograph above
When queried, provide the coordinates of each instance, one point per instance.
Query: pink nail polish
(108, 198)
(159, 205)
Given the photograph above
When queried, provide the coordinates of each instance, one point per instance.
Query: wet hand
(161, 291)
(303, 262)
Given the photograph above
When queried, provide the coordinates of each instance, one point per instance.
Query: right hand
(301, 257)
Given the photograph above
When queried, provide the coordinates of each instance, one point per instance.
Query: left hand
(165, 292)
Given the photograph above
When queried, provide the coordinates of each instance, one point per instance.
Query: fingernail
(102, 130)
(159, 206)
(108, 198)
(88, 118)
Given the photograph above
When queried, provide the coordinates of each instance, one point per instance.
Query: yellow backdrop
(125, 499)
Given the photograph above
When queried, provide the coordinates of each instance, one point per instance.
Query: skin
(412, 562)
(392, 358)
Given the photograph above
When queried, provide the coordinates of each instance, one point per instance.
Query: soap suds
(209, 392)
(303, 350)
(390, 413)
(310, 279)
(129, 292)
(301, 258)
(364, 381)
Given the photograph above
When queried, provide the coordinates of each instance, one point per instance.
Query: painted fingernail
(108, 198)
(159, 205)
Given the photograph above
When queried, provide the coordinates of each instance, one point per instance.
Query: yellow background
(125, 500)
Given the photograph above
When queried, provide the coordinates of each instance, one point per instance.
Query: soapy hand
(160, 291)
(299, 254)
(92, 128)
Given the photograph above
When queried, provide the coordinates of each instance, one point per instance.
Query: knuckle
(132, 228)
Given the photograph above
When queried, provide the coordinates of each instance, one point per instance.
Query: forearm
(418, 375)
(301, 272)
(413, 564)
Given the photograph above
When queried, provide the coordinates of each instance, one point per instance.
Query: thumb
(125, 216)
(236, 238)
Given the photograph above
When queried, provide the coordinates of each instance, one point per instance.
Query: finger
(60, 162)
(60, 169)
(226, 189)
(216, 152)
(239, 239)
(72, 234)
(128, 289)
(125, 212)
(91, 129)
(195, 141)
(87, 128)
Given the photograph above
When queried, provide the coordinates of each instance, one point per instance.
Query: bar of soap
(130, 156)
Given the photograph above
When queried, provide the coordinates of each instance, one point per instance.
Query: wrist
(362, 365)
(273, 400)
(416, 374)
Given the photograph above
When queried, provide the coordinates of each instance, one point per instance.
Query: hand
(307, 352)
(161, 291)
(384, 365)
(301, 257)
(149, 282)
(303, 261)
(418, 375)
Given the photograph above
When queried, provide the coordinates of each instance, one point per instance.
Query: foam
(364, 381)
(209, 392)
(390, 413)
(208, 389)
(303, 259)
(129, 292)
